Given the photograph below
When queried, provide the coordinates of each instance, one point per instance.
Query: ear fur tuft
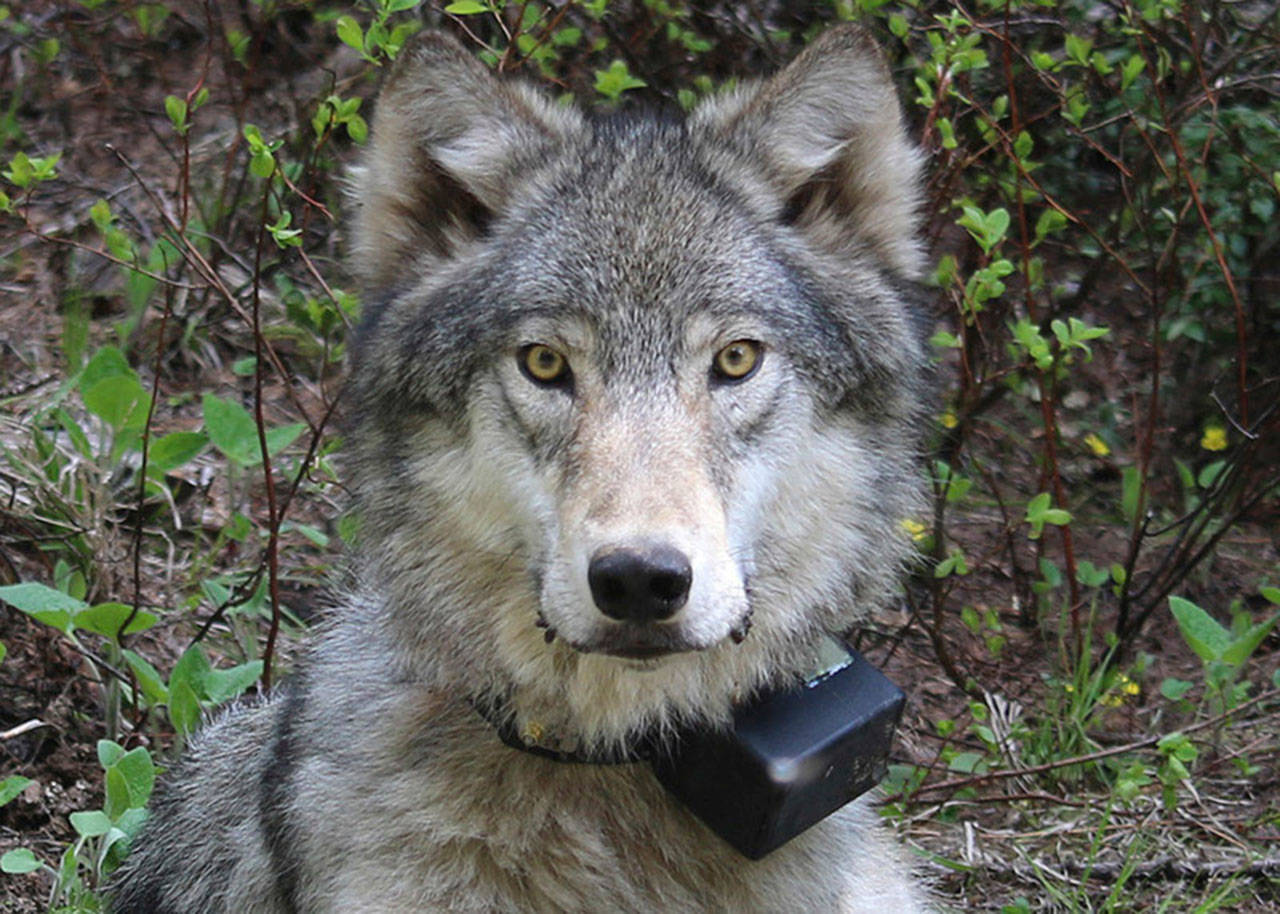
(828, 135)
(450, 142)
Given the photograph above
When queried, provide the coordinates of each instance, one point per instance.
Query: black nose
(640, 585)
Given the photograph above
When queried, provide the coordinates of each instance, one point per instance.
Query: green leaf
(139, 774)
(968, 763)
(1130, 492)
(106, 618)
(190, 671)
(1130, 71)
(223, 685)
(319, 537)
(617, 79)
(18, 861)
(1174, 689)
(350, 33)
(90, 824)
(988, 229)
(24, 171)
(1050, 222)
(1091, 576)
(466, 8)
(1039, 513)
(52, 607)
(12, 786)
(1078, 48)
(947, 133)
(149, 679)
(109, 752)
(1201, 631)
(117, 793)
(1023, 145)
(174, 450)
(238, 527)
(1242, 648)
(262, 164)
(101, 215)
(1270, 594)
(997, 224)
(131, 821)
(176, 108)
(1209, 475)
(120, 402)
(184, 708)
(107, 362)
(231, 430)
(357, 129)
(280, 438)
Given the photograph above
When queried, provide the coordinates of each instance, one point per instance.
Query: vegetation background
(1089, 641)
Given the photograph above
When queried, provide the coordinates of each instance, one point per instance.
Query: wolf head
(633, 386)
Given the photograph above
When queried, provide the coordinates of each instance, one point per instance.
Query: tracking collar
(790, 758)
(531, 739)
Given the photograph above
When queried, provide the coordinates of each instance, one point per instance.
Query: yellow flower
(1215, 438)
(1097, 445)
(917, 530)
(949, 419)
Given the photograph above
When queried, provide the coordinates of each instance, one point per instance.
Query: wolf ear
(828, 134)
(450, 142)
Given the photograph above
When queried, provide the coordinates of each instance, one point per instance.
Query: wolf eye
(543, 364)
(737, 361)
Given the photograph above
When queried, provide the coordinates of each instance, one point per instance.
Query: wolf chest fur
(636, 408)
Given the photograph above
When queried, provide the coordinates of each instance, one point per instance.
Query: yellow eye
(738, 360)
(543, 364)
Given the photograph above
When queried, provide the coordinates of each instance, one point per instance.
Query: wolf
(637, 401)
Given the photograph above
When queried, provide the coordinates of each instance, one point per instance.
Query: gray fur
(636, 246)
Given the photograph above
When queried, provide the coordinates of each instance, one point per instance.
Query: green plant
(102, 835)
(1224, 651)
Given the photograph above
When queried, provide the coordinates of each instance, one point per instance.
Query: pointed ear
(450, 142)
(828, 135)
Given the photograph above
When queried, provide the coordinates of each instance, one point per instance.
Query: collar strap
(498, 715)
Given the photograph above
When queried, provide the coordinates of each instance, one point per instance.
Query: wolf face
(647, 384)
